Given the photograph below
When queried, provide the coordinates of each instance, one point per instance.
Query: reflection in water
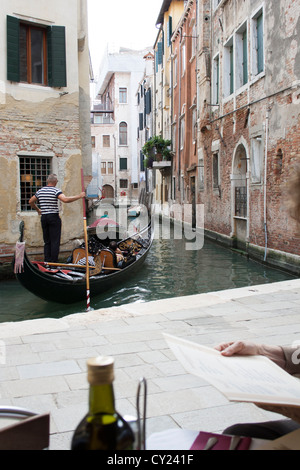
(169, 271)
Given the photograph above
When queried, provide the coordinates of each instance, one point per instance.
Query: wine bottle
(102, 428)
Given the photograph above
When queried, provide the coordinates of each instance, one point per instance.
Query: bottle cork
(100, 370)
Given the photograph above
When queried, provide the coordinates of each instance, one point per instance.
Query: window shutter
(245, 58)
(142, 165)
(57, 76)
(160, 53)
(141, 118)
(148, 101)
(170, 30)
(260, 44)
(13, 61)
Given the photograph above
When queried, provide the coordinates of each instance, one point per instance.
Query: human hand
(82, 195)
(241, 348)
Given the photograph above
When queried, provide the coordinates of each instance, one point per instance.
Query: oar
(70, 265)
(88, 307)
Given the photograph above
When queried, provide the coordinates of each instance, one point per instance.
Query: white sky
(125, 23)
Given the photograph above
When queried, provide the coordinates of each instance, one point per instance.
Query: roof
(165, 7)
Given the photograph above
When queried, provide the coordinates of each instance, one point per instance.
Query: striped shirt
(48, 199)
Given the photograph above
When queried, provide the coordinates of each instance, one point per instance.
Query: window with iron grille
(123, 184)
(241, 201)
(33, 176)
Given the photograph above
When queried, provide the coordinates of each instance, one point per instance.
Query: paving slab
(43, 362)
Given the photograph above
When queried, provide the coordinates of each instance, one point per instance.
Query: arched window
(123, 133)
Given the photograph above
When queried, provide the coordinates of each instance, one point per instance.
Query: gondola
(66, 283)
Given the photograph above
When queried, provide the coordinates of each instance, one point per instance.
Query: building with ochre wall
(44, 113)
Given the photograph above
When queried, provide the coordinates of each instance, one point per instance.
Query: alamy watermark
(179, 222)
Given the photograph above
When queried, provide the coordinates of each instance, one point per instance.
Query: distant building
(116, 142)
(164, 82)
(144, 98)
(44, 112)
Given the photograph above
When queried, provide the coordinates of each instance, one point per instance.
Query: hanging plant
(157, 149)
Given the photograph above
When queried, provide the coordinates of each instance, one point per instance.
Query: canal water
(169, 271)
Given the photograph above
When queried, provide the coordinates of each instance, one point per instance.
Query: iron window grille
(33, 175)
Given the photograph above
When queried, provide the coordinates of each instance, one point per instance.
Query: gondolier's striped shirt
(48, 199)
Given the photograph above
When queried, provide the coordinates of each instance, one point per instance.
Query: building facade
(44, 112)
(163, 104)
(249, 126)
(144, 99)
(116, 87)
(234, 109)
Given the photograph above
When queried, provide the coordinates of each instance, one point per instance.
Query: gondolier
(47, 200)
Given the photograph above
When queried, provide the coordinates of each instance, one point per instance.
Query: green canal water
(169, 271)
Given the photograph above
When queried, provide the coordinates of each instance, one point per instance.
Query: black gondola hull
(54, 289)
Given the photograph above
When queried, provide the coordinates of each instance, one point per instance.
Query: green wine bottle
(102, 428)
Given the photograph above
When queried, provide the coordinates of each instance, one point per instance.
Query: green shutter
(141, 121)
(260, 44)
(217, 80)
(13, 38)
(231, 70)
(57, 76)
(148, 101)
(245, 58)
(170, 30)
(160, 53)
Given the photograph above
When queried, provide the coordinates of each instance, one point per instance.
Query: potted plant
(157, 149)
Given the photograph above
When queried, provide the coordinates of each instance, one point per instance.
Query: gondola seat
(104, 259)
(78, 254)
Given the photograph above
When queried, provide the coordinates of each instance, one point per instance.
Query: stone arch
(108, 191)
(240, 193)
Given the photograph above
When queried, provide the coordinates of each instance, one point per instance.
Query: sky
(125, 23)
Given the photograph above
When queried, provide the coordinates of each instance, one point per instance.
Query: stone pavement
(43, 362)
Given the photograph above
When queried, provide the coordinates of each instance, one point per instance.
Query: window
(123, 133)
(216, 80)
(182, 132)
(123, 163)
(123, 184)
(33, 65)
(194, 120)
(93, 141)
(241, 57)
(241, 201)
(102, 118)
(36, 54)
(183, 58)
(257, 159)
(228, 68)
(106, 141)
(169, 31)
(216, 179)
(175, 70)
(194, 42)
(110, 168)
(201, 173)
(258, 43)
(103, 168)
(33, 175)
(123, 95)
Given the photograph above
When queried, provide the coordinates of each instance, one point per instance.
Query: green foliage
(155, 149)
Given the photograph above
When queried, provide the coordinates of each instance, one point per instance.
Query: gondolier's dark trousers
(51, 225)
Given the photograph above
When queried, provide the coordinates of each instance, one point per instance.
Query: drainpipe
(265, 185)
(179, 112)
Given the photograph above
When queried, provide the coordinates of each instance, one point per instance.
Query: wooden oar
(88, 307)
(65, 265)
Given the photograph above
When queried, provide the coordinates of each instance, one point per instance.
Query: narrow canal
(169, 271)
